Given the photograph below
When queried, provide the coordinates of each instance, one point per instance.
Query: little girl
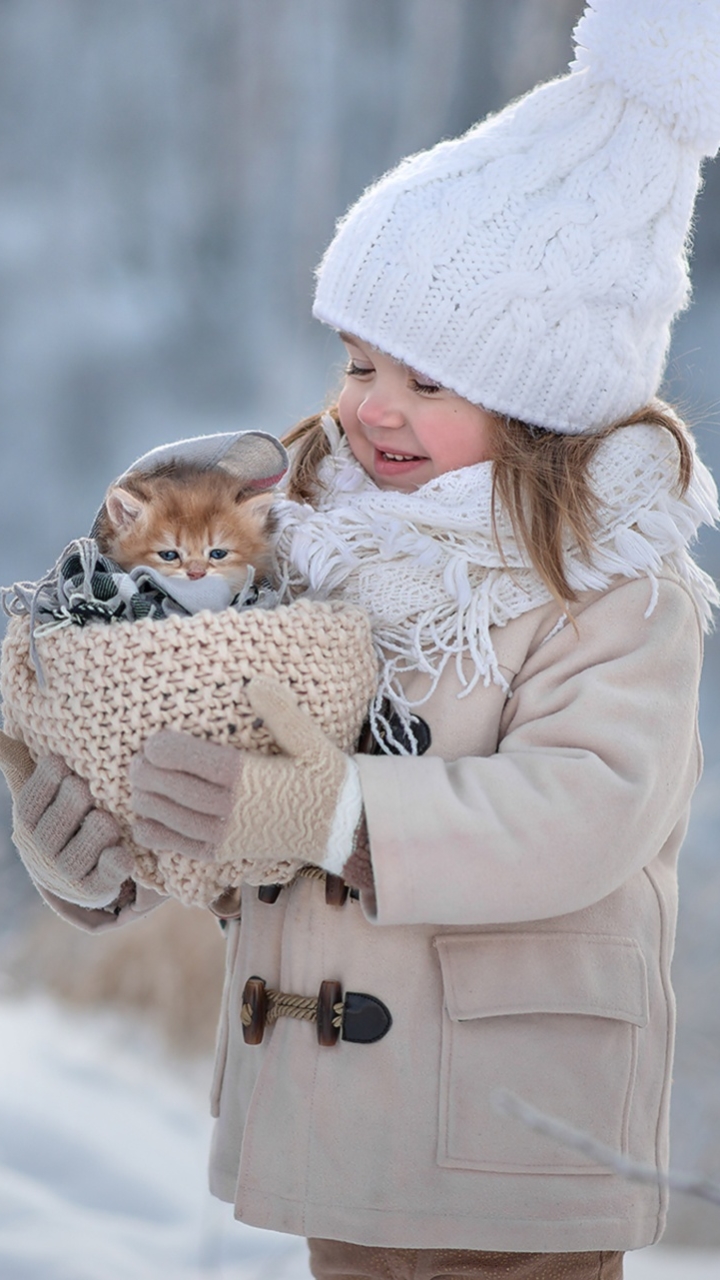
(499, 487)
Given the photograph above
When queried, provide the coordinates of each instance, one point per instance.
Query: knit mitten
(69, 847)
(216, 803)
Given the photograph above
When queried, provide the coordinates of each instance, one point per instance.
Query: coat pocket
(554, 1017)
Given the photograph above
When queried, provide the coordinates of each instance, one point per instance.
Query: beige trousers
(334, 1260)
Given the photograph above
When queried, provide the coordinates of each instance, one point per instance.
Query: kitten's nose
(196, 569)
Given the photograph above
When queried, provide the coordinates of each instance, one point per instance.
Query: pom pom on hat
(535, 265)
(666, 53)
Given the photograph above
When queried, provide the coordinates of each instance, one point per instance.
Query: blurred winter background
(171, 173)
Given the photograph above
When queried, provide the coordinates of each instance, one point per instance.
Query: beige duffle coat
(520, 935)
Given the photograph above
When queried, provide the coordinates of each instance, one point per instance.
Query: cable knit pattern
(535, 264)
(108, 688)
(426, 568)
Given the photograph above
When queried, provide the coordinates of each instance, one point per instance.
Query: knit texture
(16, 763)
(85, 586)
(434, 581)
(669, 60)
(108, 688)
(291, 802)
(181, 793)
(209, 801)
(69, 847)
(535, 264)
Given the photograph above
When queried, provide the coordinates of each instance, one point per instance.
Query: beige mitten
(215, 803)
(69, 847)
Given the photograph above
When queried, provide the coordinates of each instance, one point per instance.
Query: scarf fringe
(434, 582)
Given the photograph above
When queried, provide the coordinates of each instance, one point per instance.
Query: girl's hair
(540, 477)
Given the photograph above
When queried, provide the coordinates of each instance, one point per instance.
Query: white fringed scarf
(427, 569)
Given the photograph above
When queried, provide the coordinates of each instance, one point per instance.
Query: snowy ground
(102, 1165)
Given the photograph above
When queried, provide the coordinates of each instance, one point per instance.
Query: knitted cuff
(358, 870)
(348, 811)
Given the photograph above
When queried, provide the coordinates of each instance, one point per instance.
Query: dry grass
(168, 967)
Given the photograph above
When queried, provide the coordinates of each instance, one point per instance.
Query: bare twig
(692, 1184)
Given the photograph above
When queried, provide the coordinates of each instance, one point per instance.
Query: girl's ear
(259, 508)
(123, 508)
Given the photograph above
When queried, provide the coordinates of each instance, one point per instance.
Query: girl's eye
(168, 555)
(425, 388)
(217, 553)
(354, 370)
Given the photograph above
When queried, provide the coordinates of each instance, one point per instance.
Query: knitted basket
(107, 688)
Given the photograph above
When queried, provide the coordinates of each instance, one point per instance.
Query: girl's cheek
(358, 445)
(347, 393)
(348, 405)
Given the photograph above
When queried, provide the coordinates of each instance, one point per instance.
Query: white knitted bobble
(666, 53)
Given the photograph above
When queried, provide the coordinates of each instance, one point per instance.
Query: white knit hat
(535, 264)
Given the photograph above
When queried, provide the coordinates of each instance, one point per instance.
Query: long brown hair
(540, 477)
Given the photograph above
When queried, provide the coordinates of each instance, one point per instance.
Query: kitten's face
(189, 525)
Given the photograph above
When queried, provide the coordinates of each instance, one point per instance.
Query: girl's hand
(182, 793)
(70, 848)
(217, 803)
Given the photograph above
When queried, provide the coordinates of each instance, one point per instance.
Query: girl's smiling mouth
(392, 464)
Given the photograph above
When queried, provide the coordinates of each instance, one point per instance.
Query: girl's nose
(378, 410)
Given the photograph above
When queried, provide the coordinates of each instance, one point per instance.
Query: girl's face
(402, 427)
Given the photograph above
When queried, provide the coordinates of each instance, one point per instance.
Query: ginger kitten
(185, 521)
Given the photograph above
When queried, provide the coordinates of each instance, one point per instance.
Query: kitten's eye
(218, 553)
(168, 555)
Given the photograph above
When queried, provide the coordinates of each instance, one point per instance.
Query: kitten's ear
(260, 509)
(123, 508)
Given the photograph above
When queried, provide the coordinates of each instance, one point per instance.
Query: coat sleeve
(94, 919)
(597, 761)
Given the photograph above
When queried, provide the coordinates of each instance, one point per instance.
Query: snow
(103, 1148)
(672, 1264)
(103, 1153)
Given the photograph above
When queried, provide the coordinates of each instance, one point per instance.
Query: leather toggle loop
(365, 1018)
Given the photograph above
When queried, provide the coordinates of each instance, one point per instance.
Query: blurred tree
(172, 174)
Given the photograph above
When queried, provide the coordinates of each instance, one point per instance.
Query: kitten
(186, 522)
